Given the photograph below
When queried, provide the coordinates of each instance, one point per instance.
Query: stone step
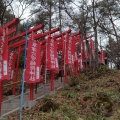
(29, 104)
(1, 118)
(11, 96)
(13, 104)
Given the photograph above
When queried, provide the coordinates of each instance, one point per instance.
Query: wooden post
(16, 73)
(51, 80)
(31, 91)
(1, 92)
(66, 77)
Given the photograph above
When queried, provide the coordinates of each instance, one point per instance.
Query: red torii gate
(22, 42)
(19, 41)
(37, 36)
(6, 31)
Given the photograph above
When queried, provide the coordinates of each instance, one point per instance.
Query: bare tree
(4, 4)
(20, 7)
(95, 25)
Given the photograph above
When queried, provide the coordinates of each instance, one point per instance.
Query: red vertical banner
(63, 47)
(82, 57)
(69, 57)
(52, 59)
(1, 57)
(102, 56)
(42, 55)
(32, 73)
(85, 50)
(43, 63)
(81, 62)
(56, 56)
(92, 47)
(74, 51)
(4, 57)
(5, 60)
(11, 64)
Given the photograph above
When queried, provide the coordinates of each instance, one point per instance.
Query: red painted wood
(11, 31)
(24, 33)
(36, 37)
(16, 72)
(31, 91)
(12, 23)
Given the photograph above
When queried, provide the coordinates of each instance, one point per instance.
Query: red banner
(102, 56)
(32, 73)
(63, 47)
(43, 56)
(1, 59)
(69, 56)
(81, 63)
(11, 64)
(51, 54)
(4, 58)
(74, 51)
(85, 50)
(82, 57)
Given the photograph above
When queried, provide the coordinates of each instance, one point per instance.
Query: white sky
(18, 10)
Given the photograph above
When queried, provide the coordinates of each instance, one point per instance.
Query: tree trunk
(60, 16)
(50, 3)
(95, 34)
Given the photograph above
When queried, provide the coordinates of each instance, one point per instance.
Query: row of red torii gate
(48, 50)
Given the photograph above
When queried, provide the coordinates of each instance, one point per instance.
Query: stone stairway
(13, 103)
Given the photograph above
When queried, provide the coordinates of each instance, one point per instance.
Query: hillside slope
(88, 97)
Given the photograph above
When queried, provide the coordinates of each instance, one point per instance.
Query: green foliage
(68, 69)
(87, 95)
(102, 105)
(94, 116)
(83, 77)
(67, 87)
(99, 72)
(48, 105)
(73, 81)
(79, 86)
(69, 113)
(74, 103)
(103, 69)
(111, 93)
(69, 94)
(46, 97)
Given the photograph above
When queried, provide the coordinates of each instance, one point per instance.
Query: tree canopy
(99, 18)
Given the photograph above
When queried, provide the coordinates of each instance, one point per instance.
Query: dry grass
(92, 98)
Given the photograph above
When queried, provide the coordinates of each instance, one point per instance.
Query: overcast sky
(18, 10)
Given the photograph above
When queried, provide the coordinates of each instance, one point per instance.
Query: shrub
(73, 81)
